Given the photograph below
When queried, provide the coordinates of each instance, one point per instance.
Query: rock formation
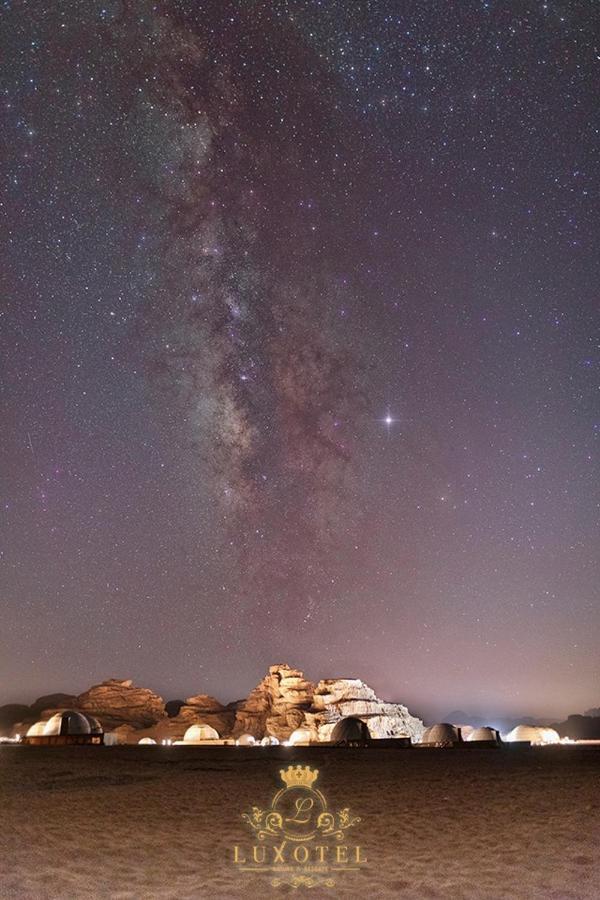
(336, 698)
(203, 710)
(284, 701)
(276, 706)
(117, 703)
(53, 702)
(281, 703)
(172, 707)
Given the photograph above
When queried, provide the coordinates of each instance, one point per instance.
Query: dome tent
(69, 726)
(528, 733)
(36, 729)
(68, 722)
(147, 741)
(483, 734)
(300, 736)
(532, 734)
(269, 740)
(197, 734)
(441, 735)
(95, 725)
(351, 731)
(246, 740)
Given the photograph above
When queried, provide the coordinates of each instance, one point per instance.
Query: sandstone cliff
(336, 698)
(203, 709)
(116, 703)
(276, 706)
(284, 700)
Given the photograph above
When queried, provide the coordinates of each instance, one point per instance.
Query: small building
(66, 727)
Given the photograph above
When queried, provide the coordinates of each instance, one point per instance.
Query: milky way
(253, 325)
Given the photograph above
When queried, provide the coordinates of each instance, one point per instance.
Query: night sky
(299, 343)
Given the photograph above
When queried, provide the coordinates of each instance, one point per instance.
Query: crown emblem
(299, 776)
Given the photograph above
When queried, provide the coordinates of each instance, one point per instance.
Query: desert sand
(158, 822)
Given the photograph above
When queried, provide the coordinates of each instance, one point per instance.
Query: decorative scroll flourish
(309, 881)
(264, 822)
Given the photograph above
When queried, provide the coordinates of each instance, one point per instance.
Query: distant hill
(580, 728)
(12, 713)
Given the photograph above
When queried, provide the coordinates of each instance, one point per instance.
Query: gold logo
(299, 840)
(295, 776)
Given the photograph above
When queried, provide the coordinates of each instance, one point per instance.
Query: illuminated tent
(68, 722)
(199, 733)
(300, 736)
(36, 729)
(483, 734)
(246, 740)
(66, 727)
(533, 734)
(441, 735)
(350, 730)
(146, 740)
(269, 740)
(95, 726)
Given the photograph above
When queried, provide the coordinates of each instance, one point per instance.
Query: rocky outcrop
(53, 702)
(276, 706)
(172, 707)
(117, 703)
(203, 709)
(336, 698)
(284, 700)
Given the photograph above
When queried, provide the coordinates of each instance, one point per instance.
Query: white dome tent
(69, 726)
(441, 735)
(300, 737)
(200, 734)
(483, 733)
(533, 734)
(68, 722)
(36, 729)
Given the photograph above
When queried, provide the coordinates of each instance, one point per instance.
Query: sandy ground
(162, 822)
